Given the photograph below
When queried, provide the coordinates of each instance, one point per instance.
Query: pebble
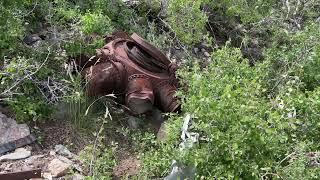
(196, 50)
(206, 54)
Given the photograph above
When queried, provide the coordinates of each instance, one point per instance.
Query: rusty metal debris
(131, 67)
(22, 175)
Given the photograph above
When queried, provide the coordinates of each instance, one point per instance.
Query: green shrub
(247, 132)
(294, 57)
(227, 101)
(96, 22)
(99, 161)
(11, 22)
(249, 11)
(187, 20)
(19, 80)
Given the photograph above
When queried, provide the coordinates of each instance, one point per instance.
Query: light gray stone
(20, 153)
(77, 177)
(62, 150)
(206, 54)
(196, 50)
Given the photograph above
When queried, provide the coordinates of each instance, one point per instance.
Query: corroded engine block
(133, 68)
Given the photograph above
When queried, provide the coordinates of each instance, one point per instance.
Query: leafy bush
(187, 20)
(248, 11)
(20, 78)
(230, 111)
(97, 23)
(12, 14)
(294, 57)
(99, 161)
(247, 133)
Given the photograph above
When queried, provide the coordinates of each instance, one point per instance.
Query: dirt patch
(127, 167)
(56, 132)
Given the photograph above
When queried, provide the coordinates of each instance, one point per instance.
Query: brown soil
(127, 167)
(54, 132)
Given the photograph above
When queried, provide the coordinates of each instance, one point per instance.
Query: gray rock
(32, 39)
(47, 176)
(206, 54)
(196, 50)
(62, 150)
(12, 134)
(10, 130)
(133, 122)
(20, 153)
(31, 160)
(77, 177)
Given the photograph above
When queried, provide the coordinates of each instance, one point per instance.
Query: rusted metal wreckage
(22, 175)
(131, 67)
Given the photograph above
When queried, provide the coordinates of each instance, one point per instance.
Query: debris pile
(53, 164)
(17, 161)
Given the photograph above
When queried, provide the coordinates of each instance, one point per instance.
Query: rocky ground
(56, 150)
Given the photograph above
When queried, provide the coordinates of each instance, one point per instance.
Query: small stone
(206, 54)
(196, 50)
(52, 153)
(77, 177)
(57, 168)
(31, 39)
(20, 153)
(62, 150)
(47, 176)
(133, 122)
